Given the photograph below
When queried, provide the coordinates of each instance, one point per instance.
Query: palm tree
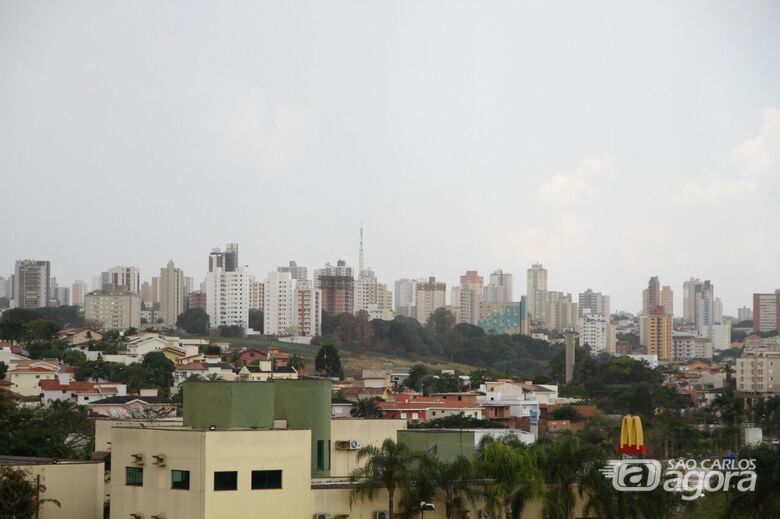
(515, 478)
(388, 467)
(366, 408)
(453, 483)
(564, 463)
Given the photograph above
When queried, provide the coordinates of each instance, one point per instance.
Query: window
(227, 480)
(180, 479)
(134, 476)
(320, 454)
(265, 479)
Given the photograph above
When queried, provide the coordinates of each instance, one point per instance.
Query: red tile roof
(54, 385)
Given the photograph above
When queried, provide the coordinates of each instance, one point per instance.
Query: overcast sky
(611, 141)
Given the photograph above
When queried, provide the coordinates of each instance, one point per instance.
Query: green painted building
(302, 404)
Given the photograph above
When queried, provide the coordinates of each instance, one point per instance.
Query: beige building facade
(113, 308)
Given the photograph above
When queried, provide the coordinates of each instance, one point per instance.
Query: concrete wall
(202, 453)
(446, 445)
(79, 487)
(367, 432)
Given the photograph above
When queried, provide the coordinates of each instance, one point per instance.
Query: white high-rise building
(78, 292)
(598, 333)
(467, 297)
(127, 277)
(173, 295)
(591, 302)
(309, 309)
(291, 307)
(227, 289)
(298, 272)
(537, 293)
(365, 290)
(562, 312)
(405, 290)
(280, 316)
(744, 313)
(499, 288)
(31, 284)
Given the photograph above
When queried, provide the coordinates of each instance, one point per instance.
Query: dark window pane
(320, 454)
(134, 476)
(180, 479)
(264, 479)
(227, 480)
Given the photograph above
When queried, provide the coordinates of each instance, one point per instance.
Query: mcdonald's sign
(632, 437)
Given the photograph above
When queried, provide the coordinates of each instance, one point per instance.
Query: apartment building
(597, 332)
(756, 372)
(659, 334)
(337, 286)
(115, 308)
(766, 312)
(31, 284)
(429, 296)
(172, 293)
(227, 289)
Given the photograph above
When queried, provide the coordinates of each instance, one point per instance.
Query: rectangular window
(320, 454)
(265, 479)
(180, 479)
(134, 476)
(227, 480)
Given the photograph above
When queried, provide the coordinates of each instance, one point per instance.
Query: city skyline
(609, 143)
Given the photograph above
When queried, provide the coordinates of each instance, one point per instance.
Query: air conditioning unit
(159, 460)
(137, 516)
(349, 445)
(381, 515)
(138, 459)
(322, 515)
(484, 514)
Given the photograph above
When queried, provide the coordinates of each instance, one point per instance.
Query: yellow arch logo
(632, 437)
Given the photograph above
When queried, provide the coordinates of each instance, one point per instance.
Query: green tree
(562, 463)
(194, 321)
(328, 362)
(366, 408)
(388, 466)
(297, 363)
(566, 412)
(20, 496)
(453, 483)
(3, 370)
(416, 375)
(12, 323)
(441, 323)
(73, 357)
(256, 320)
(40, 330)
(161, 369)
(59, 430)
(515, 478)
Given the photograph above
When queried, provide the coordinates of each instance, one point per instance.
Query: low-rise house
(376, 378)
(266, 370)
(208, 368)
(26, 375)
(79, 337)
(140, 346)
(78, 392)
(422, 409)
(134, 406)
(341, 408)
